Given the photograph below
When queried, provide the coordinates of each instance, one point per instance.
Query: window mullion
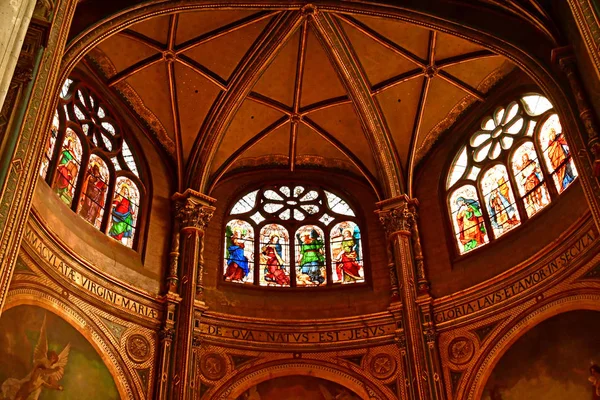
(484, 211)
(550, 187)
(83, 167)
(56, 152)
(110, 194)
(516, 194)
(328, 261)
(292, 252)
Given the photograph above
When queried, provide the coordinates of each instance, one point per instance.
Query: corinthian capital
(397, 214)
(193, 209)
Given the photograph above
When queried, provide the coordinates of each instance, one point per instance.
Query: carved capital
(193, 209)
(396, 215)
(166, 334)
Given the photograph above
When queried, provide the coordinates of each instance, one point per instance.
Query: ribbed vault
(231, 88)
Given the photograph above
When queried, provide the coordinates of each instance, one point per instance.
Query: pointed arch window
(90, 166)
(293, 236)
(508, 171)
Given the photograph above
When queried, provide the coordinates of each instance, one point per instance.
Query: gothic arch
(359, 384)
(82, 324)
(476, 31)
(473, 386)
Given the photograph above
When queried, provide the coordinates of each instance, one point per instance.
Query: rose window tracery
(293, 236)
(499, 178)
(92, 169)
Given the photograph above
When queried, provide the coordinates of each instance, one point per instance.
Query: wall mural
(43, 357)
(298, 388)
(558, 359)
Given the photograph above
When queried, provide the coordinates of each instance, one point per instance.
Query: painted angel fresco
(48, 370)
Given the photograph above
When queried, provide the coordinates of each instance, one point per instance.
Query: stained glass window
(125, 206)
(308, 237)
(497, 179)
(556, 153)
(239, 252)
(499, 200)
(467, 218)
(346, 253)
(310, 262)
(274, 256)
(94, 170)
(93, 192)
(68, 167)
(530, 180)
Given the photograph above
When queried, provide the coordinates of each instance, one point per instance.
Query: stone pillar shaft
(398, 216)
(22, 149)
(193, 213)
(14, 21)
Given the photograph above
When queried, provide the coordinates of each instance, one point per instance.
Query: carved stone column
(193, 212)
(14, 21)
(417, 338)
(585, 144)
(27, 125)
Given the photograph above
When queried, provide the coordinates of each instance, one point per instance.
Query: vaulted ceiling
(314, 93)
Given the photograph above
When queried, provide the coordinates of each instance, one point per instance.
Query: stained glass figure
(310, 256)
(93, 191)
(467, 219)
(274, 256)
(529, 177)
(125, 205)
(499, 199)
(50, 143)
(556, 153)
(346, 253)
(68, 167)
(239, 252)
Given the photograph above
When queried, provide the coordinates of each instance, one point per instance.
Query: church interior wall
(450, 272)
(515, 319)
(297, 303)
(144, 266)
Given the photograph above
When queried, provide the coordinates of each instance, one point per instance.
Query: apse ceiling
(175, 70)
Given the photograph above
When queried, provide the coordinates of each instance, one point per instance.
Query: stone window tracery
(90, 166)
(292, 236)
(500, 177)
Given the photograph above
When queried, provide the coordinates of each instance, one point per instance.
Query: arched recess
(281, 368)
(574, 300)
(484, 30)
(82, 324)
